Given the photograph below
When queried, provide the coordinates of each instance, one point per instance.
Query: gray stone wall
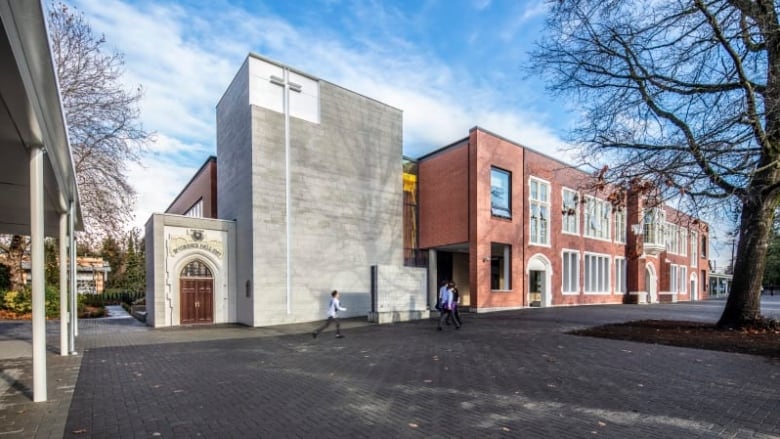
(164, 265)
(346, 199)
(234, 183)
(401, 294)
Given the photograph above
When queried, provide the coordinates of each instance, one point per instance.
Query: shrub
(19, 302)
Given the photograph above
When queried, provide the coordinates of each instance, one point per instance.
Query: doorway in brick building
(196, 289)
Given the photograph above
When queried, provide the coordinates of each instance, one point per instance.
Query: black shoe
(339, 336)
(457, 327)
(438, 328)
(314, 334)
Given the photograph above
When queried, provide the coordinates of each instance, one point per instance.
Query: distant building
(91, 274)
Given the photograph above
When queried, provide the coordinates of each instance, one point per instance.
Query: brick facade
(457, 223)
(201, 188)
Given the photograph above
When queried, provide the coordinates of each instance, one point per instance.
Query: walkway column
(74, 311)
(64, 317)
(433, 279)
(38, 275)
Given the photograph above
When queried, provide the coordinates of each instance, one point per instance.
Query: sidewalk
(508, 374)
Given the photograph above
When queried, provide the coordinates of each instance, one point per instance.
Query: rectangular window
(597, 215)
(571, 272)
(500, 267)
(683, 241)
(196, 211)
(673, 278)
(596, 274)
(571, 212)
(620, 275)
(703, 246)
(694, 248)
(620, 226)
(682, 273)
(539, 206)
(500, 193)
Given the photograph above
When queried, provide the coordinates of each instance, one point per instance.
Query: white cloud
(185, 61)
(157, 182)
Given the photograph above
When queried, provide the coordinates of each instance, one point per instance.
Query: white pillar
(38, 275)
(433, 278)
(74, 312)
(64, 317)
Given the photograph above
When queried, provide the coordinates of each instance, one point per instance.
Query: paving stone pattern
(510, 374)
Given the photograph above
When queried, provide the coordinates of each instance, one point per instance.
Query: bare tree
(685, 94)
(103, 120)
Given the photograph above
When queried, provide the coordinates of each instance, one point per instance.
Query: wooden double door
(196, 292)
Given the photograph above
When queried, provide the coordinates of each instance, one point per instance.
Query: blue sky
(448, 64)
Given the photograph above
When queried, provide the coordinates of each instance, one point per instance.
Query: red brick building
(199, 197)
(516, 228)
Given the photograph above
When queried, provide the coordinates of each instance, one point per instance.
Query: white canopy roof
(31, 115)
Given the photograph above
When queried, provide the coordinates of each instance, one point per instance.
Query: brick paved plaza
(509, 374)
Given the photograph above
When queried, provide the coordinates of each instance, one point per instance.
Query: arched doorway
(196, 292)
(539, 273)
(651, 284)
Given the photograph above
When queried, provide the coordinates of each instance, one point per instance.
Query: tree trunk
(16, 253)
(744, 302)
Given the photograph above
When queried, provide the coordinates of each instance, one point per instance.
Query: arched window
(196, 269)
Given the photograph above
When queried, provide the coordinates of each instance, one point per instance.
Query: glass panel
(500, 193)
(196, 269)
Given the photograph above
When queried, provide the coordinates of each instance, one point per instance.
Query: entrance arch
(196, 293)
(539, 270)
(651, 284)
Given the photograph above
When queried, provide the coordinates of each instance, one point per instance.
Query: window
(597, 218)
(596, 274)
(500, 193)
(539, 204)
(571, 272)
(678, 277)
(694, 248)
(570, 211)
(620, 226)
(653, 223)
(620, 275)
(500, 267)
(196, 210)
(703, 246)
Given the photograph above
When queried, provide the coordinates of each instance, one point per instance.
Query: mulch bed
(754, 341)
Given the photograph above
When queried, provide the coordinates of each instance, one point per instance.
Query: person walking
(443, 287)
(446, 309)
(333, 308)
(455, 305)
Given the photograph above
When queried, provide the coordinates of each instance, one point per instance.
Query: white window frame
(673, 282)
(694, 243)
(196, 211)
(493, 211)
(567, 278)
(620, 275)
(682, 279)
(620, 226)
(653, 221)
(542, 224)
(597, 212)
(566, 210)
(601, 263)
